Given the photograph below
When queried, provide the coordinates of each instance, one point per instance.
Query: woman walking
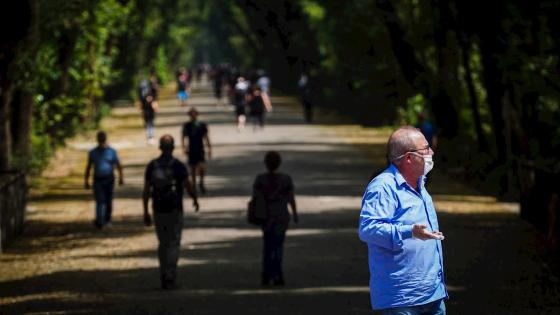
(259, 103)
(277, 190)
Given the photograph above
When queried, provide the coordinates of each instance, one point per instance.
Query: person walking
(165, 179)
(218, 83)
(240, 101)
(196, 133)
(148, 91)
(263, 81)
(398, 222)
(277, 191)
(259, 103)
(305, 93)
(182, 87)
(104, 160)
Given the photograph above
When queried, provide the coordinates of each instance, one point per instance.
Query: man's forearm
(384, 234)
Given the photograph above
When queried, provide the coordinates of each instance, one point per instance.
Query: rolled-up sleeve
(376, 226)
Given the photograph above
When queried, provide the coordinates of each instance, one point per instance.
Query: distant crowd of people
(249, 95)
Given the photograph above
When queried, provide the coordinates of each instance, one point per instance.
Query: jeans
(433, 308)
(149, 126)
(273, 250)
(169, 227)
(103, 193)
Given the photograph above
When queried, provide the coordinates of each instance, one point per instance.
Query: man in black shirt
(165, 179)
(196, 132)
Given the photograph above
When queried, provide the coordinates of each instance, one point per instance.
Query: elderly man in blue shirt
(399, 224)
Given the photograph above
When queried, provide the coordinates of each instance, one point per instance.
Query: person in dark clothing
(217, 79)
(165, 179)
(196, 132)
(104, 160)
(241, 89)
(305, 92)
(259, 103)
(277, 190)
(147, 92)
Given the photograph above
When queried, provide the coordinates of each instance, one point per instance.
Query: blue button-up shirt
(404, 271)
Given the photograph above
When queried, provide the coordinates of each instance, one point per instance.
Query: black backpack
(165, 194)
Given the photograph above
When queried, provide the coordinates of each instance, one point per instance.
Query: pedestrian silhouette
(104, 160)
(165, 179)
(277, 191)
(195, 133)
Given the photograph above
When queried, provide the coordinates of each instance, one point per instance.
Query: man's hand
(86, 185)
(147, 219)
(419, 231)
(209, 154)
(195, 205)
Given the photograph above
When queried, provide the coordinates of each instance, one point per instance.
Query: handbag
(256, 210)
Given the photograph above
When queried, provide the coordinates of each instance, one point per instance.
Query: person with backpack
(277, 191)
(259, 103)
(196, 132)
(104, 160)
(165, 179)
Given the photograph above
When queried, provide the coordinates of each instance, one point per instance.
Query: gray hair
(400, 142)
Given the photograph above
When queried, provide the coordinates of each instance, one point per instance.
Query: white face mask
(428, 162)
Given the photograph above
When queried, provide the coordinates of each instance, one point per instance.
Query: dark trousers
(273, 250)
(257, 119)
(103, 193)
(307, 111)
(169, 227)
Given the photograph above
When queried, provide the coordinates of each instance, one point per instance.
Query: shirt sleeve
(376, 221)
(115, 157)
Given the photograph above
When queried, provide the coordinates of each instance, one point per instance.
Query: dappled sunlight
(464, 204)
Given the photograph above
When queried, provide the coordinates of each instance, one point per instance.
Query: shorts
(196, 157)
(182, 95)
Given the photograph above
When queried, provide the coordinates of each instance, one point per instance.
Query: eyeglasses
(427, 148)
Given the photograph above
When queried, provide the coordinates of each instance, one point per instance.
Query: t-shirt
(256, 105)
(264, 83)
(276, 189)
(182, 83)
(180, 173)
(195, 131)
(103, 159)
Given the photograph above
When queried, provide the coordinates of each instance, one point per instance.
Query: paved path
(64, 266)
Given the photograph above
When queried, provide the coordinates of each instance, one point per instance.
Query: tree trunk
(412, 70)
(5, 133)
(465, 47)
(447, 87)
(22, 143)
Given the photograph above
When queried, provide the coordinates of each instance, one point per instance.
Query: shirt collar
(398, 176)
(400, 179)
